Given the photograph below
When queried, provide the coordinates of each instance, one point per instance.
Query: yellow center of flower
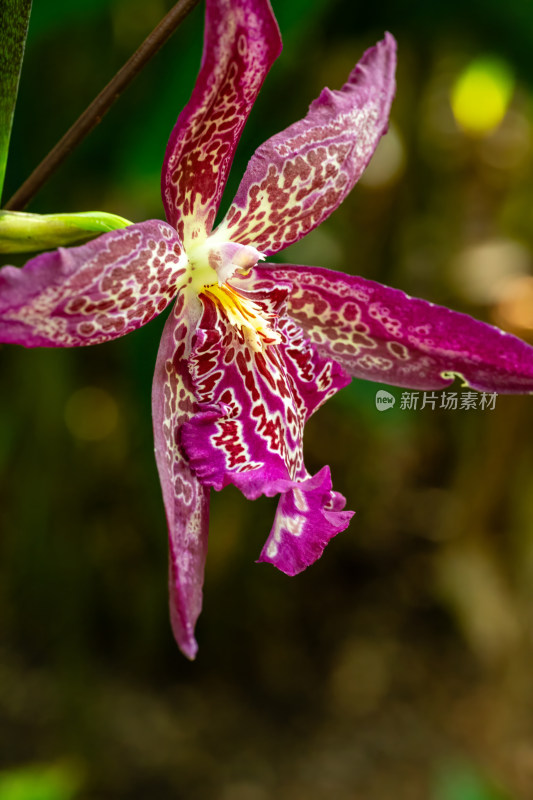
(212, 264)
(244, 314)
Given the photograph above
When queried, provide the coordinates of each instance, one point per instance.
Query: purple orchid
(249, 352)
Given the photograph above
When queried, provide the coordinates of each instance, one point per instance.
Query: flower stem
(100, 105)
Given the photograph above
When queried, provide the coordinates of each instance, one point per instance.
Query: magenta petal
(253, 401)
(186, 500)
(308, 516)
(382, 334)
(298, 177)
(93, 293)
(240, 44)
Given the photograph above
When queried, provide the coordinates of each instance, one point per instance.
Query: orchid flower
(250, 351)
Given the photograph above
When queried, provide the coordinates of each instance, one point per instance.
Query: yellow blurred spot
(515, 310)
(481, 95)
(91, 414)
(482, 271)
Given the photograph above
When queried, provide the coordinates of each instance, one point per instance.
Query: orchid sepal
(298, 177)
(241, 42)
(185, 498)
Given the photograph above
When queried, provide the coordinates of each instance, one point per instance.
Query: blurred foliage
(408, 646)
(461, 782)
(58, 782)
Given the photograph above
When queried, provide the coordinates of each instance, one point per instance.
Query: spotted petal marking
(298, 177)
(186, 500)
(93, 293)
(241, 43)
(382, 334)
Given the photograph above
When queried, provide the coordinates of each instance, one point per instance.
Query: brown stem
(100, 105)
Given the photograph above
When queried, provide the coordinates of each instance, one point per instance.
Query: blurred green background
(398, 667)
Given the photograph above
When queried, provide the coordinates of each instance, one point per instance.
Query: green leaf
(14, 19)
(24, 233)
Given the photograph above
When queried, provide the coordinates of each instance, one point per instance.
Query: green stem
(14, 19)
(101, 105)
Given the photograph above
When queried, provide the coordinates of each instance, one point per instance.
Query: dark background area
(399, 666)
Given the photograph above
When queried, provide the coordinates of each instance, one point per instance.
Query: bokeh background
(399, 666)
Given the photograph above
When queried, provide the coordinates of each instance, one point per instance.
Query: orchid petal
(298, 177)
(241, 43)
(382, 334)
(93, 293)
(186, 500)
(308, 516)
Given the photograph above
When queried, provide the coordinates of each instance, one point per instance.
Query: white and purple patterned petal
(382, 334)
(298, 177)
(241, 43)
(253, 400)
(93, 293)
(186, 500)
(308, 516)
